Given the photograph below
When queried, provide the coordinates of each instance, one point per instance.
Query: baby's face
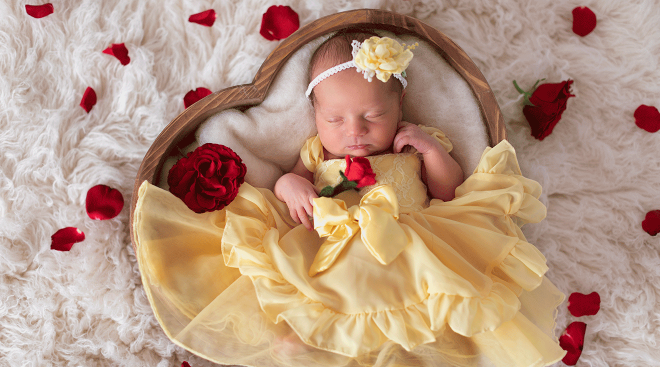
(355, 116)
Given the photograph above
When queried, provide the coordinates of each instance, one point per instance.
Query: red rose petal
(572, 341)
(278, 22)
(103, 202)
(584, 304)
(584, 21)
(651, 224)
(185, 364)
(39, 11)
(119, 51)
(548, 104)
(194, 96)
(206, 18)
(64, 238)
(647, 118)
(88, 100)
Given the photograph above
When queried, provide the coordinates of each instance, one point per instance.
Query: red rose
(278, 22)
(544, 106)
(359, 170)
(208, 178)
(358, 174)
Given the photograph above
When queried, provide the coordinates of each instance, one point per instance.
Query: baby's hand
(298, 194)
(413, 135)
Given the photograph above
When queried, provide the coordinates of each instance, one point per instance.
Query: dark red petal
(278, 22)
(194, 96)
(651, 224)
(103, 202)
(206, 18)
(88, 100)
(367, 180)
(551, 92)
(39, 11)
(64, 238)
(584, 21)
(119, 51)
(584, 304)
(647, 118)
(572, 341)
(185, 364)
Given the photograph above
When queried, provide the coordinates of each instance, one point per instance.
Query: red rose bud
(206, 18)
(185, 364)
(647, 118)
(583, 304)
(195, 95)
(64, 238)
(208, 178)
(119, 51)
(572, 341)
(278, 22)
(88, 100)
(39, 11)
(651, 224)
(584, 21)
(103, 202)
(359, 170)
(548, 102)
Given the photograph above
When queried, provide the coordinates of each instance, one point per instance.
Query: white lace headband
(376, 56)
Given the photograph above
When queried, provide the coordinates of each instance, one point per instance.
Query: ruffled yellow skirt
(459, 286)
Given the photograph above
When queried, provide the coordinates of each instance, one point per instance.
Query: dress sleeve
(438, 135)
(312, 153)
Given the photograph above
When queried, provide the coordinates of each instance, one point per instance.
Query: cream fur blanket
(600, 173)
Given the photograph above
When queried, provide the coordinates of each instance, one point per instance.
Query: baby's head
(353, 115)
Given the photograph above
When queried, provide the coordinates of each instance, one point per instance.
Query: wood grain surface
(244, 96)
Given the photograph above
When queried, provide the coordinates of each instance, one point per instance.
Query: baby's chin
(363, 152)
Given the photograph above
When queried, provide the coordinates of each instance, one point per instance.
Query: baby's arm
(297, 191)
(440, 172)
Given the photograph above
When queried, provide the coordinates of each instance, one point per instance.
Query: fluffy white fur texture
(85, 307)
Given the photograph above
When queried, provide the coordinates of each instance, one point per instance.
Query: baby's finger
(308, 208)
(305, 221)
(400, 141)
(294, 215)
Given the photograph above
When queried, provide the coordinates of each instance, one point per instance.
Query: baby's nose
(357, 127)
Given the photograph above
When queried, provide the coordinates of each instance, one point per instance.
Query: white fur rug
(86, 307)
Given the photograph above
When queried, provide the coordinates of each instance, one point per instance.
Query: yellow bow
(376, 217)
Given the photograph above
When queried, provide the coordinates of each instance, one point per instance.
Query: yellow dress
(389, 277)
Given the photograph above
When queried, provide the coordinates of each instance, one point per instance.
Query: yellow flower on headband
(382, 57)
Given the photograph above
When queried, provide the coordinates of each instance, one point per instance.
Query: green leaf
(327, 191)
(349, 185)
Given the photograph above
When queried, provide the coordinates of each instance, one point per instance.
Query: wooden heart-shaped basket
(181, 130)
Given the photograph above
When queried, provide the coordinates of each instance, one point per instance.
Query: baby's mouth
(357, 146)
